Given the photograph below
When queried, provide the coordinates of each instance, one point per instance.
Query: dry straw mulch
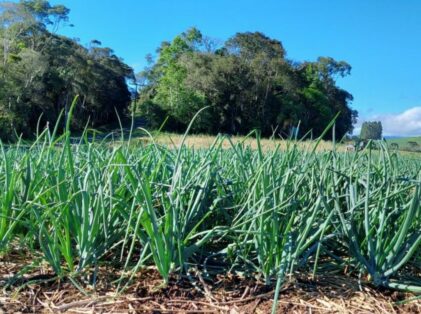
(225, 294)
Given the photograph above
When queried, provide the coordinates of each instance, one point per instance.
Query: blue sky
(381, 39)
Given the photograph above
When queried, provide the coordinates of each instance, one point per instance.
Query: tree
(164, 83)
(41, 72)
(371, 130)
(225, 83)
(249, 85)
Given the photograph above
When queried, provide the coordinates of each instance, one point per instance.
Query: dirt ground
(192, 294)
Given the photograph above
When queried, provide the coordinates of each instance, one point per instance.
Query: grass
(201, 141)
(404, 143)
(265, 209)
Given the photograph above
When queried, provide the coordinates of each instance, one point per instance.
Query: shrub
(394, 146)
(413, 146)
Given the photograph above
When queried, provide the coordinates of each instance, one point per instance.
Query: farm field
(210, 157)
(203, 141)
(224, 226)
(407, 143)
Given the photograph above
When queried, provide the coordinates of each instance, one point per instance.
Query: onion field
(267, 214)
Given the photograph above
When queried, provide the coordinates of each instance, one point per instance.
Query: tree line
(41, 72)
(248, 83)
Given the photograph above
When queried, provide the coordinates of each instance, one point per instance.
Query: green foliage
(7, 124)
(269, 214)
(41, 72)
(249, 85)
(155, 113)
(371, 131)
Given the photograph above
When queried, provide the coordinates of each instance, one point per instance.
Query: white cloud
(407, 123)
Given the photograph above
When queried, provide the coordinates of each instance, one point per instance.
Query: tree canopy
(247, 81)
(371, 130)
(41, 72)
(249, 84)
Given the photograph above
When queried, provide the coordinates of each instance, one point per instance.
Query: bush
(10, 125)
(394, 146)
(414, 146)
(156, 116)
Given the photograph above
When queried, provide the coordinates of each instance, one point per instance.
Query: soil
(41, 292)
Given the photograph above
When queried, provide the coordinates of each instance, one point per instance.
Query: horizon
(377, 38)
